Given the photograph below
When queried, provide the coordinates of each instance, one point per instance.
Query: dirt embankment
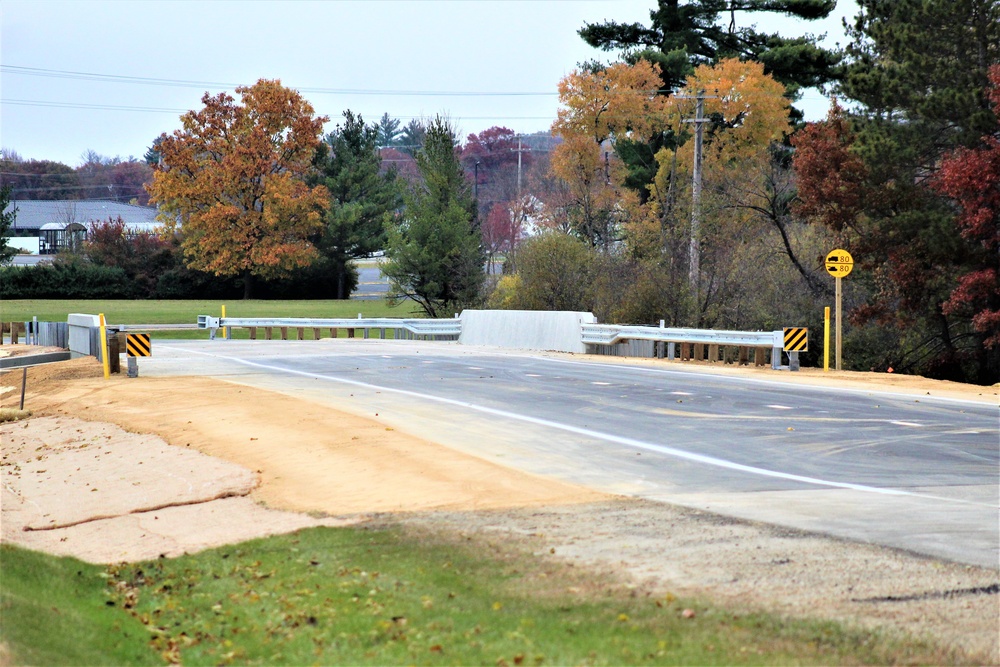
(131, 469)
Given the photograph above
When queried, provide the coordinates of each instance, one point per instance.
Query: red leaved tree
(832, 179)
(141, 254)
(972, 178)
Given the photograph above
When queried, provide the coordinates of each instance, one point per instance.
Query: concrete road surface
(915, 473)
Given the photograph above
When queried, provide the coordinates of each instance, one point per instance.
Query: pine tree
(684, 35)
(362, 198)
(434, 249)
(388, 131)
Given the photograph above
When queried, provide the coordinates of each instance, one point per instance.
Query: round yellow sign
(839, 263)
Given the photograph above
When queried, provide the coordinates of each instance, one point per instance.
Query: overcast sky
(499, 61)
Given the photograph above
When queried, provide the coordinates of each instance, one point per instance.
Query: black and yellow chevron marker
(138, 345)
(796, 339)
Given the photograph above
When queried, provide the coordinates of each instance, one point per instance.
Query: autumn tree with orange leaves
(232, 179)
(598, 109)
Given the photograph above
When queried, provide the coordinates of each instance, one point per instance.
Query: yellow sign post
(826, 338)
(839, 264)
(105, 359)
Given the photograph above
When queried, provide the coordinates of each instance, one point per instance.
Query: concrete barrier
(525, 329)
(81, 337)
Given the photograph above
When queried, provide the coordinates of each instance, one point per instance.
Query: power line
(182, 83)
(185, 83)
(81, 105)
(15, 188)
(54, 174)
(110, 107)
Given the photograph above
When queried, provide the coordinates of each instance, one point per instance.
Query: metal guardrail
(609, 334)
(591, 334)
(417, 327)
(612, 334)
(152, 327)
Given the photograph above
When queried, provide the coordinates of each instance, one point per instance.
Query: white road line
(681, 393)
(609, 437)
(913, 424)
(780, 407)
(731, 379)
(602, 384)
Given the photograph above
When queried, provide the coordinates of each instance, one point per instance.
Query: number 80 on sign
(839, 263)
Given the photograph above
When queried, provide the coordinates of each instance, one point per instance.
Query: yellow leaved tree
(232, 178)
(745, 113)
(598, 109)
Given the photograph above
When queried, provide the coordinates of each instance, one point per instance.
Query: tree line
(97, 177)
(608, 214)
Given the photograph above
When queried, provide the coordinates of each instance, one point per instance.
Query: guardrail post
(301, 333)
(671, 351)
(713, 353)
(114, 353)
(699, 351)
(793, 361)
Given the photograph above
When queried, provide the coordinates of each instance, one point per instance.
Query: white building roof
(35, 214)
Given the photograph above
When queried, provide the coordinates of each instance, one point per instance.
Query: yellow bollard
(225, 330)
(104, 348)
(826, 339)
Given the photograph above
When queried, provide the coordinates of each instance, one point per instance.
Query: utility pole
(519, 213)
(694, 249)
(519, 150)
(477, 185)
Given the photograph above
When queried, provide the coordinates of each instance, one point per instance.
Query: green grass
(187, 312)
(388, 597)
(54, 611)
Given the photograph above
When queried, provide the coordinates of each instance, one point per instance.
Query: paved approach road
(910, 472)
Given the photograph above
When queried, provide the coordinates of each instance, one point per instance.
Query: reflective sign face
(839, 263)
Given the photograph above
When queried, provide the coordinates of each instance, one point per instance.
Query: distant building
(62, 224)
